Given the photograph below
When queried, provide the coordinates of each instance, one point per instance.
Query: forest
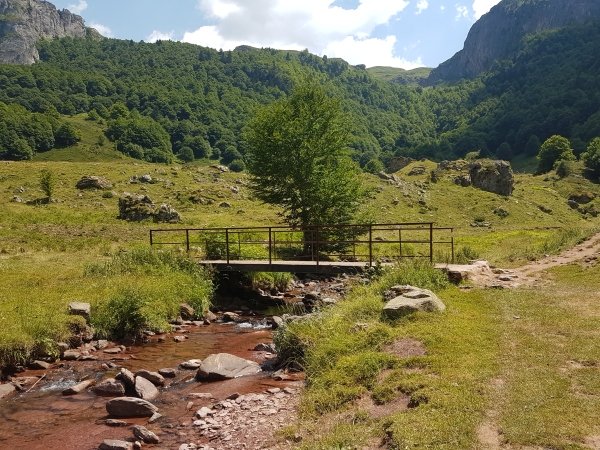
(169, 99)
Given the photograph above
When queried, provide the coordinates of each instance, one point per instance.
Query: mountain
(24, 22)
(499, 34)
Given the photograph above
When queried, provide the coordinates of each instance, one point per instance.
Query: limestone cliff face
(24, 22)
(499, 33)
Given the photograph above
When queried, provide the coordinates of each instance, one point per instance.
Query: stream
(247, 411)
(46, 419)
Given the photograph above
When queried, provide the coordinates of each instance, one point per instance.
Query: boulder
(231, 317)
(6, 390)
(166, 214)
(223, 366)
(192, 364)
(114, 444)
(168, 372)
(582, 198)
(78, 388)
(417, 170)
(144, 389)
(186, 311)
(109, 388)
(93, 182)
(146, 179)
(135, 208)
(80, 309)
(154, 377)
(410, 300)
(127, 378)
(145, 435)
(71, 355)
(463, 180)
(210, 316)
(492, 176)
(39, 365)
(265, 347)
(130, 407)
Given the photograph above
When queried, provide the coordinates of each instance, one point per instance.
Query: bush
(237, 165)
(564, 168)
(270, 280)
(47, 183)
(122, 315)
(555, 148)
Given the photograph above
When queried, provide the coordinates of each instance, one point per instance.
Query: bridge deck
(332, 267)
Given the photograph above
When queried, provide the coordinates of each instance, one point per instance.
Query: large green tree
(555, 148)
(299, 159)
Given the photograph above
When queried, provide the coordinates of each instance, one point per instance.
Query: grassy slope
(523, 363)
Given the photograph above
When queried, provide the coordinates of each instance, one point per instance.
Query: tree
(299, 160)
(555, 148)
(67, 135)
(591, 158)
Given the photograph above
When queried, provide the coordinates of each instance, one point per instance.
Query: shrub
(564, 168)
(270, 280)
(237, 165)
(555, 148)
(67, 135)
(47, 183)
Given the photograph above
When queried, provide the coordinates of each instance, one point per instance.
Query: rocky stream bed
(89, 399)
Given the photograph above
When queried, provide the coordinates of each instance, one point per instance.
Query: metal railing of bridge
(361, 243)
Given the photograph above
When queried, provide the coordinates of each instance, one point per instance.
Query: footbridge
(316, 249)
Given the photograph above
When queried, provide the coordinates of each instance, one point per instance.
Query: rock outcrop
(136, 208)
(24, 22)
(93, 182)
(499, 34)
(492, 176)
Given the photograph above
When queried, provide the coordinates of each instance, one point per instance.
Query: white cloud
(160, 36)
(78, 8)
(370, 52)
(102, 29)
(422, 5)
(480, 7)
(462, 12)
(318, 25)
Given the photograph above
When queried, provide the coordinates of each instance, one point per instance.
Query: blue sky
(399, 33)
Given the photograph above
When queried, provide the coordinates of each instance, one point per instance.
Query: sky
(396, 33)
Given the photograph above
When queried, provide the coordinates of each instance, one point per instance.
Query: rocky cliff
(24, 22)
(499, 33)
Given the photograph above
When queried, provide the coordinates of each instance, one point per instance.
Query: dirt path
(480, 274)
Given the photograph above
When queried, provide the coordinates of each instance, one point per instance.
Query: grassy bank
(129, 292)
(519, 368)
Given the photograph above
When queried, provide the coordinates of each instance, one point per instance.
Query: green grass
(524, 361)
(130, 292)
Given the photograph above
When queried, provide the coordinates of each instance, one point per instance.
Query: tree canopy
(298, 157)
(555, 148)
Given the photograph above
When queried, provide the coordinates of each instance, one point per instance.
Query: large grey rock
(223, 366)
(145, 435)
(24, 22)
(114, 444)
(80, 309)
(6, 389)
(412, 299)
(144, 389)
(109, 388)
(93, 182)
(154, 377)
(130, 407)
(186, 311)
(492, 176)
